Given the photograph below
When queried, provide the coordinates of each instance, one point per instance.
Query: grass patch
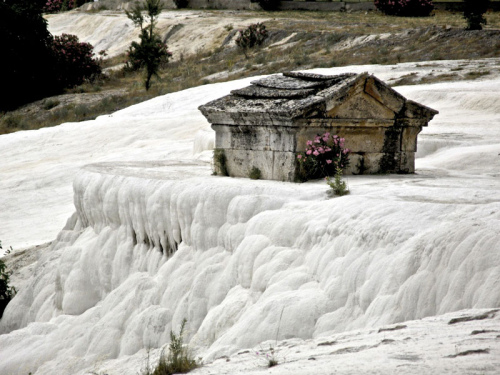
(179, 359)
(220, 160)
(50, 103)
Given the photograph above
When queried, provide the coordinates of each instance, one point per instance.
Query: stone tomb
(264, 125)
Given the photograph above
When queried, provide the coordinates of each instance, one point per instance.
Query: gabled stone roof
(280, 99)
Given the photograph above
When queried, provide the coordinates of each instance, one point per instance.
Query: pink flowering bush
(253, 35)
(54, 6)
(405, 8)
(322, 157)
(74, 61)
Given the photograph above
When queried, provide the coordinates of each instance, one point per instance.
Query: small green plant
(269, 356)
(8, 251)
(255, 174)
(179, 359)
(50, 103)
(7, 292)
(473, 13)
(220, 162)
(272, 362)
(338, 186)
(253, 35)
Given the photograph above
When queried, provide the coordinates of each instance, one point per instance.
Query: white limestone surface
(188, 31)
(252, 261)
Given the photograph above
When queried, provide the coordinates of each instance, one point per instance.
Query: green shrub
(220, 162)
(7, 292)
(338, 186)
(179, 359)
(181, 3)
(50, 103)
(473, 13)
(11, 122)
(255, 174)
(253, 35)
(405, 8)
(26, 64)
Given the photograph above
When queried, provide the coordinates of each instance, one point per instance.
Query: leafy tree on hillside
(33, 64)
(473, 13)
(269, 4)
(26, 64)
(150, 52)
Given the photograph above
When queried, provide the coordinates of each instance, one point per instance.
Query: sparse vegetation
(220, 162)
(269, 4)
(7, 292)
(405, 8)
(179, 359)
(151, 52)
(321, 39)
(269, 356)
(37, 65)
(338, 186)
(254, 35)
(473, 13)
(255, 174)
(50, 103)
(181, 3)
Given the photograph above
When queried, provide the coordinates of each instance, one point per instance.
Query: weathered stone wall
(269, 148)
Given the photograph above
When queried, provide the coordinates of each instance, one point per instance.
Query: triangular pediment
(361, 106)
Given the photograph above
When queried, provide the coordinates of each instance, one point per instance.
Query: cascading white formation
(245, 251)
(153, 243)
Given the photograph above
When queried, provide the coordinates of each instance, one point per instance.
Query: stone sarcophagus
(264, 125)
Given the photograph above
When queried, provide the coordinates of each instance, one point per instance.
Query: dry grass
(361, 23)
(320, 39)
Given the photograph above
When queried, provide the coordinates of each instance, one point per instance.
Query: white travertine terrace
(156, 238)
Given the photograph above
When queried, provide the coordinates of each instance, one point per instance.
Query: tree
(33, 63)
(269, 4)
(151, 52)
(181, 3)
(26, 63)
(473, 13)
